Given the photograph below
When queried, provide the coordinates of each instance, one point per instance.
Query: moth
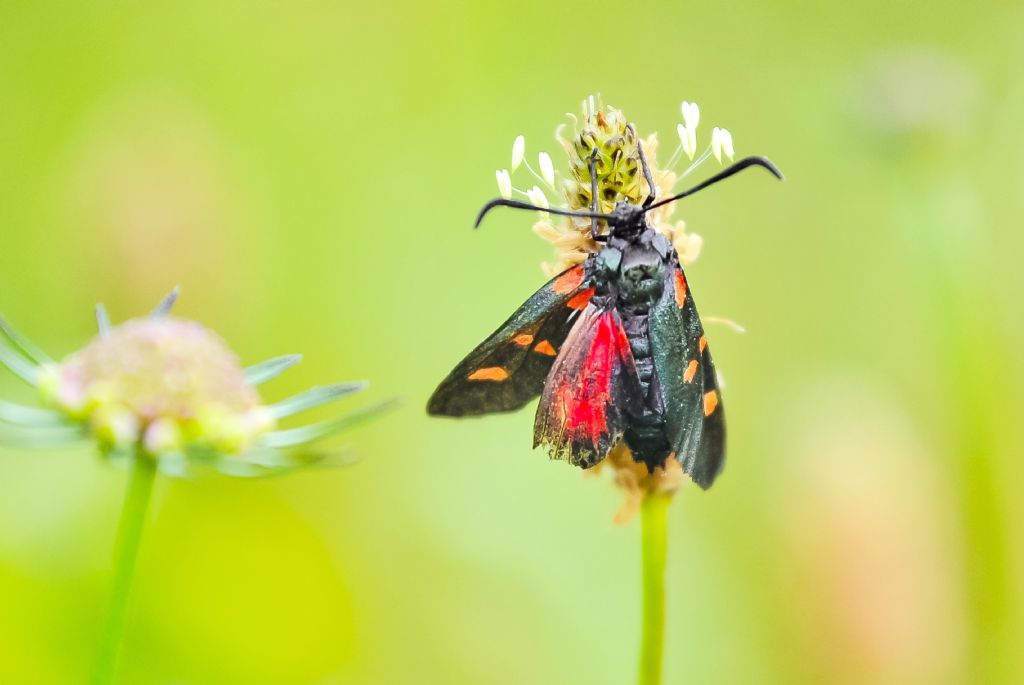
(614, 347)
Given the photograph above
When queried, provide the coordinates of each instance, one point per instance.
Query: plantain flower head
(164, 388)
(605, 139)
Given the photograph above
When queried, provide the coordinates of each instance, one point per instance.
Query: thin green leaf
(173, 464)
(29, 416)
(264, 371)
(24, 345)
(164, 308)
(19, 366)
(315, 431)
(313, 397)
(268, 463)
(102, 320)
(240, 469)
(54, 436)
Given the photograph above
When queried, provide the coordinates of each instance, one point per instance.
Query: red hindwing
(581, 412)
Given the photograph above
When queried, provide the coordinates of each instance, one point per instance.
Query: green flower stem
(126, 551)
(654, 517)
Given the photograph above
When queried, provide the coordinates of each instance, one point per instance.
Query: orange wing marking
(680, 289)
(544, 347)
(581, 300)
(710, 402)
(691, 371)
(568, 281)
(523, 339)
(703, 343)
(489, 373)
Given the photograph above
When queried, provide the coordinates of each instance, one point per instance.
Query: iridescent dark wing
(508, 369)
(694, 419)
(593, 383)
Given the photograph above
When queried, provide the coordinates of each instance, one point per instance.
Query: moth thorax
(641, 278)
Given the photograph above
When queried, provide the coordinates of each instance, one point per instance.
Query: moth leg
(646, 169)
(593, 194)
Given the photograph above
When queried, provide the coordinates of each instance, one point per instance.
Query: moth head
(626, 220)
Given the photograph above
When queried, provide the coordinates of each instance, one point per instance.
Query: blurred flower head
(168, 389)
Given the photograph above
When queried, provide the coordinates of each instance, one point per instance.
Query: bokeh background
(308, 173)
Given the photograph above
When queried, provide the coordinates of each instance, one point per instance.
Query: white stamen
(504, 183)
(727, 143)
(688, 139)
(518, 150)
(721, 142)
(547, 169)
(691, 115)
(538, 197)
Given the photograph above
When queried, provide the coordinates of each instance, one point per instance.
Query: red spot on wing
(680, 289)
(568, 281)
(582, 398)
(581, 300)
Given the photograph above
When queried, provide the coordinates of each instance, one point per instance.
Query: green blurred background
(308, 172)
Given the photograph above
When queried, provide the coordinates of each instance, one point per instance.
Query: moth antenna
(721, 176)
(516, 204)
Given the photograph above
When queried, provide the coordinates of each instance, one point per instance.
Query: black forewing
(508, 369)
(694, 419)
(710, 457)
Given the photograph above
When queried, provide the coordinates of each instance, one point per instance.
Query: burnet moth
(613, 346)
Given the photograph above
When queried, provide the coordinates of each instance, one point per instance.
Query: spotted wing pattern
(694, 419)
(508, 369)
